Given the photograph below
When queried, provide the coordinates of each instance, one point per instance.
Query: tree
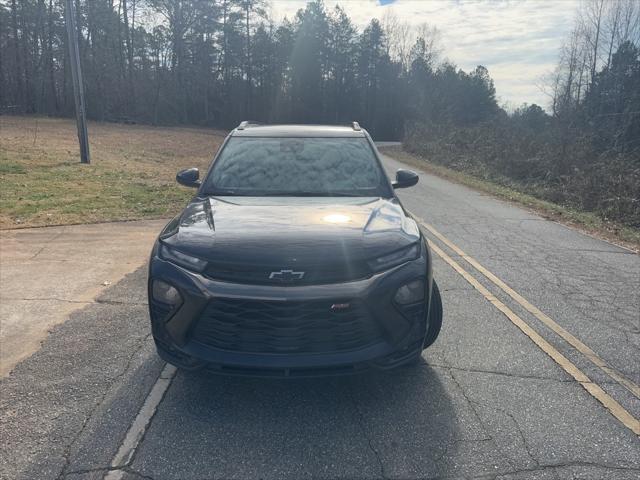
(308, 62)
(250, 9)
(372, 61)
(616, 92)
(341, 67)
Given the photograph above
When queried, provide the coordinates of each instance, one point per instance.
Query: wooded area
(217, 62)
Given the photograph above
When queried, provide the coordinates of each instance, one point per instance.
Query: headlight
(164, 293)
(395, 258)
(412, 292)
(182, 259)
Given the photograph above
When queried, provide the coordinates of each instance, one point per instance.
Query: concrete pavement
(46, 273)
(487, 402)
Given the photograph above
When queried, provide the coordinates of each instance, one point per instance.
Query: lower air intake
(256, 326)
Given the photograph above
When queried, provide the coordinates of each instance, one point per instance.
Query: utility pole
(78, 86)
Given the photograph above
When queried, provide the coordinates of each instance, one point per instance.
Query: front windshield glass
(260, 166)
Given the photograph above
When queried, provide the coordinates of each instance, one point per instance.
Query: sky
(517, 40)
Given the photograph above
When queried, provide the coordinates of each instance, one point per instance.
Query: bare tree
(591, 29)
(401, 37)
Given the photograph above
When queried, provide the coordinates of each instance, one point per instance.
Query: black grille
(285, 327)
(313, 274)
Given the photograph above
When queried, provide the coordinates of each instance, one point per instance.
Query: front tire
(435, 317)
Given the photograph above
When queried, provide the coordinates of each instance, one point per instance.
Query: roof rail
(356, 126)
(246, 123)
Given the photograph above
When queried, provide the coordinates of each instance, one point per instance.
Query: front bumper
(399, 341)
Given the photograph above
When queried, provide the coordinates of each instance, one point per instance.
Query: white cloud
(517, 40)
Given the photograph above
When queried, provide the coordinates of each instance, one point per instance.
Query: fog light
(165, 293)
(412, 292)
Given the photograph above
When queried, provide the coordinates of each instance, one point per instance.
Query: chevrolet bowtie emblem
(340, 306)
(286, 275)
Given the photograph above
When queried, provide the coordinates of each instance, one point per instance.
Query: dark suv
(294, 258)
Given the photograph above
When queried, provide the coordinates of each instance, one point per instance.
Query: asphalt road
(533, 376)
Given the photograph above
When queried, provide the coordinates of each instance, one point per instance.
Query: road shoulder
(47, 273)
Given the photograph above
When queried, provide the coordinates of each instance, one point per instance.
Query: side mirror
(189, 177)
(404, 179)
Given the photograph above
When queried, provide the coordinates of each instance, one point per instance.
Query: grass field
(586, 221)
(131, 175)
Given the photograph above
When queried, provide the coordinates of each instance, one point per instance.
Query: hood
(289, 232)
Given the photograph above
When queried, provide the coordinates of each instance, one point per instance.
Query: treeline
(586, 153)
(216, 62)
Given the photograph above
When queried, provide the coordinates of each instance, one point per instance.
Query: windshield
(259, 166)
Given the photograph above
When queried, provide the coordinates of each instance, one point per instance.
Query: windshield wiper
(279, 193)
(346, 194)
(307, 194)
(223, 192)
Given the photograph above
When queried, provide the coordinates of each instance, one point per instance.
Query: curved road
(534, 376)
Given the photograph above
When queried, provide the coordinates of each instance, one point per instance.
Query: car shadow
(374, 425)
(80, 392)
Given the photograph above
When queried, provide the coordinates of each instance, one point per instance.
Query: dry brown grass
(132, 174)
(584, 221)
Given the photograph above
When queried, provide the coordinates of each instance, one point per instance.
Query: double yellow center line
(594, 389)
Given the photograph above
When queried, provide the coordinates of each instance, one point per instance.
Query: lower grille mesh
(284, 327)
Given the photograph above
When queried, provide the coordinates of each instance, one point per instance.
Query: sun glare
(336, 218)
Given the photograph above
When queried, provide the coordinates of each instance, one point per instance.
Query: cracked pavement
(49, 272)
(485, 403)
